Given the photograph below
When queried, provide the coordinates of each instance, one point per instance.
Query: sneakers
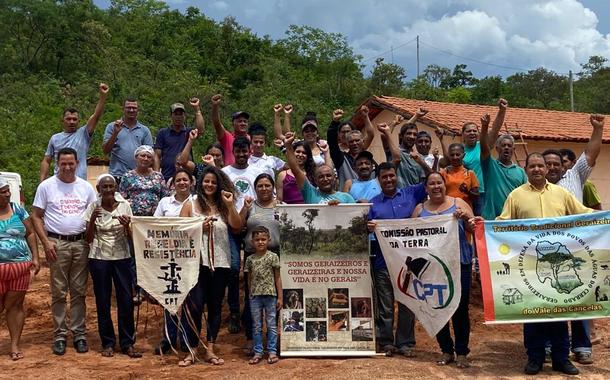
(566, 367)
(532, 367)
(59, 347)
(583, 357)
(81, 346)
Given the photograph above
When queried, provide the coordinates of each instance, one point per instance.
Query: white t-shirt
(169, 206)
(267, 164)
(64, 204)
(243, 179)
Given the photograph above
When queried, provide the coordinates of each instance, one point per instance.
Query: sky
(491, 37)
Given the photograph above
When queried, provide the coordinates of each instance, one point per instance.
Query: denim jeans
(235, 242)
(258, 305)
(581, 336)
(460, 320)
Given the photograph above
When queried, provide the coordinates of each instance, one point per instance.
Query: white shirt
(169, 206)
(574, 179)
(64, 204)
(243, 179)
(110, 241)
(267, 164)
(221, 248)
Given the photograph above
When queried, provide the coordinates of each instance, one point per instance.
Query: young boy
(263, 268)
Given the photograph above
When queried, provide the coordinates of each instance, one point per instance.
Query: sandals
(273, 359)
(131, 352)
(16, 356)
(446, 359)
(215, 360)
(256, 359)
(187, 361)
(462, 361)
(107, 352)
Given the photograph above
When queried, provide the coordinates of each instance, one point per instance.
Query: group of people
(236, 187)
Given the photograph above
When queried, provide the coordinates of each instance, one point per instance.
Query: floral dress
(143, 192)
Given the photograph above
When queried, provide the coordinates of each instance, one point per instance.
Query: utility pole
(392, 53)
(571, 92)
(417, 38)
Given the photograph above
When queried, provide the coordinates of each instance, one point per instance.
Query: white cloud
(557, 34)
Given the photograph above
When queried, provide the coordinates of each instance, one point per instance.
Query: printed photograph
(315, 331)
(315, 307)
(361, 307)
(338, 298)
(292, 320)
(362, 330)
(293, 298)
(338, 321)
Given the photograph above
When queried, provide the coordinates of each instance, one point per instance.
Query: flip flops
(255, 359)
(16, 356)
(273, 359)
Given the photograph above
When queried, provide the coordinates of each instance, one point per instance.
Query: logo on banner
(413, 282)
(558, 270)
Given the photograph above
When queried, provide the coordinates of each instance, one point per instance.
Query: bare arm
(464, 212)
(287, 114)
(594, 145)
(99, 109)
(157, 158)
(233, 218)
(199, 121)
(387, 138)
(498, 122)
(218, 127)
(279, 186)
(369, 130)
(186, 210)
(417, 210)
(48, 245)
(347, 186)
(421, 162)
(485, 148)
(90, 231)
(277, 121)
(30, 236)
(183, 157)
(278, 287)
(45, 164)
(440, 133)
(108, 145)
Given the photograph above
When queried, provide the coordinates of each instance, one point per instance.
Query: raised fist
(248, 201)
(194, 102)
(193, 134)
(118, 125)
(208, 159)
(288, 139)
(485, 120)
(288, 108)
(398, 119)
(337, 114)
(227, 197)
(216, 99)
(104, 89)
(364, 110)
(383, 128)
(277, 108)
(597, 120)
(503, 104)
(421, 112)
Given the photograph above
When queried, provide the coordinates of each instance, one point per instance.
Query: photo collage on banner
(328, 307)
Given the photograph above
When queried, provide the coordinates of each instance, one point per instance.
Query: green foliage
(386, 78)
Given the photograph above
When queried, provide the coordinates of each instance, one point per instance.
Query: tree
(310, 214)
(386, 78)
(594, 65)
(488, 90)
(436, 74)
(539, 88)
(458, 78)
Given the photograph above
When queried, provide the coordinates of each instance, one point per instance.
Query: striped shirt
(574, 179)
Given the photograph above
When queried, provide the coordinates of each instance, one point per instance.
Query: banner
(552, 269)
(423, 258)
(328, 305)
(167, 253)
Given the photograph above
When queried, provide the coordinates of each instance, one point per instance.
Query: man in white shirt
(258, 159)
(58, 220)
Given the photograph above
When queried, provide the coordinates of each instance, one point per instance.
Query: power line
(390, 50)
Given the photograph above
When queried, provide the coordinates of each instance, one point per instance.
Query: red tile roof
(535, 124)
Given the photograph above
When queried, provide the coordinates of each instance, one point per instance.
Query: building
(540, 129)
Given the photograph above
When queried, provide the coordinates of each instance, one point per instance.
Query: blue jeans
(235, 242)
(258, 304)
(479, 205)
(581, 336)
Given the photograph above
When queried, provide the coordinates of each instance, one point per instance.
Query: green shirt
(472, 161)
(261, 272)
(590, 196)
(409, 172)
(500, 180)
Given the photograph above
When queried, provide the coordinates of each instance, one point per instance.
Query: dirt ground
(497, 352)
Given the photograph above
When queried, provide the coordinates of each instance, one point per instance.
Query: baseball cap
(240, 114)
(365, 154)
(176, 106)
(309, 122)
